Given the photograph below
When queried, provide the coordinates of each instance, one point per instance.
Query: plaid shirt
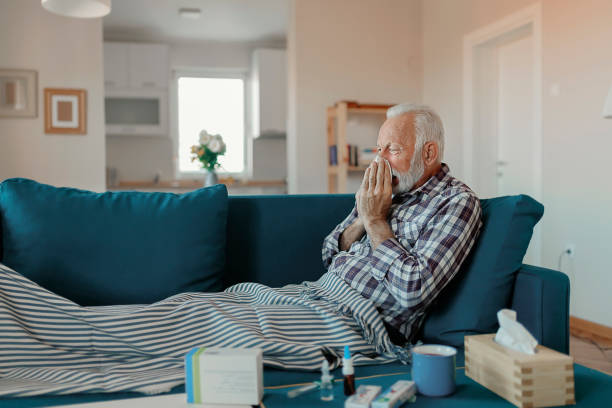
(435, 226)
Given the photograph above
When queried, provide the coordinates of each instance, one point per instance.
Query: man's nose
(383, 155)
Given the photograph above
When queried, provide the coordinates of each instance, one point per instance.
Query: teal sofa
(276, 240)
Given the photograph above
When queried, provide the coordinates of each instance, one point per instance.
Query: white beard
(409, 178)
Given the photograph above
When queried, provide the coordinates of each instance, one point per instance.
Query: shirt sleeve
(331, 244)
(415, 274)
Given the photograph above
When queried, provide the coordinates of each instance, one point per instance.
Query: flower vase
(211, 178)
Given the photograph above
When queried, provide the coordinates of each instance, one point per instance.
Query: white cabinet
(135, 65)
(269, 91)
(136, 87)
(116, 65)
(148, 65)
(136, 112)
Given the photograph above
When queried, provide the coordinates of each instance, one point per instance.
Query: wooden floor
(590, 354)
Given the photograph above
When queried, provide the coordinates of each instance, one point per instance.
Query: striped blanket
(50, 345)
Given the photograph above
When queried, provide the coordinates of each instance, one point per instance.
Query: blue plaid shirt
(435, 226)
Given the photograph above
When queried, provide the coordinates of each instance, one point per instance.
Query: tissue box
(224, 376)
(543, 379)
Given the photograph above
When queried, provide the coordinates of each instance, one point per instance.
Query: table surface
(592, 389)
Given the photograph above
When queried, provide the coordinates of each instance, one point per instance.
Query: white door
(515, 130)
(515, 166)
(504, 148)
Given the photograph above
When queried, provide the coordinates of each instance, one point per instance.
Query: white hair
(428, 126)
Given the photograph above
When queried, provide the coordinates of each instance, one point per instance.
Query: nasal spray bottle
(327, 387)
(348, 372)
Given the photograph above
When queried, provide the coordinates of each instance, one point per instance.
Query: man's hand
(374, 195)
(374, 201)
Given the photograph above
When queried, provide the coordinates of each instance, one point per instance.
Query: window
(217, 105)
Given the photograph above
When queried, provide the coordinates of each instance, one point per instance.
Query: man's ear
(430, 153)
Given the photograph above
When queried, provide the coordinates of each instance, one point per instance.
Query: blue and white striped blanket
(50, 345)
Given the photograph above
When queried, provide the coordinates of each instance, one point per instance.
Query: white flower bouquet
(208, 150)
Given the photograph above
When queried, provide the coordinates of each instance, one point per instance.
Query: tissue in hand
(512, 334)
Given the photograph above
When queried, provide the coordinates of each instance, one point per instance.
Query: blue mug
(433, 369)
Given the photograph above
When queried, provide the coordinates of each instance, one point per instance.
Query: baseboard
(599, 333)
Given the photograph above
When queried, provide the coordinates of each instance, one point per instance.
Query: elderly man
(412, 226)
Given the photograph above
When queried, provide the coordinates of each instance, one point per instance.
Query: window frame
(247, 149)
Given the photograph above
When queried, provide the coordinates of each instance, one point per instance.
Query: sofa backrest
(277, 239)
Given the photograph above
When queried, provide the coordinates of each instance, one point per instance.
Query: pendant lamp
(78, 8)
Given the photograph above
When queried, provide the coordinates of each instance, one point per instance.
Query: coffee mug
(433, 369)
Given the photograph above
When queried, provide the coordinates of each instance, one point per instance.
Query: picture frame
(65, 111)
(18, 93)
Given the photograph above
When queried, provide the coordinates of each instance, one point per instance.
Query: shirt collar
(432, 186)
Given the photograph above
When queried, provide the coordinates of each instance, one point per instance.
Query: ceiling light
(78, 8)
(191, 13)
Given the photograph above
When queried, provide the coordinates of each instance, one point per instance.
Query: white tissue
(512, 334)
(378, 159)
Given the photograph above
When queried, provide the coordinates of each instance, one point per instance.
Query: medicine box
(395, 396)
(224, 376)
(543, 379)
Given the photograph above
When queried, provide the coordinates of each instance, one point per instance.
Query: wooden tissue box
(543, 379)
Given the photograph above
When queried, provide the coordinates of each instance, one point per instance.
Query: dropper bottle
(327, 387)
(348, 372)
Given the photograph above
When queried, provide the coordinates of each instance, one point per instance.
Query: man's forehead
(398, 129)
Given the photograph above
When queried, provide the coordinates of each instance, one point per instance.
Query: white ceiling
(221, 20)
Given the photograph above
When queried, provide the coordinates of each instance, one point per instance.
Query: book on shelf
(354, 155)
(333, 155)
(366, 155)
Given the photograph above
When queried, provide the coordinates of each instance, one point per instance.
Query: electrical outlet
(570, 249)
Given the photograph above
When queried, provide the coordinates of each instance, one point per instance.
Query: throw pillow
(483, 285)
(114, 247)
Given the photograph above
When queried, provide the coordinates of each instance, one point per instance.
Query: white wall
(66, 53)
(577, 141)
(363, 50)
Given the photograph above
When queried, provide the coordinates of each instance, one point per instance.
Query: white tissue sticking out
(378, 159)
(512, 334)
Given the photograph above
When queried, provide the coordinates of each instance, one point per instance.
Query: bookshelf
(337, 116)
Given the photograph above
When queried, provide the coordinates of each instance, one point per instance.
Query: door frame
(531, 15)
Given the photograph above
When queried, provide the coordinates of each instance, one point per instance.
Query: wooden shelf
(378, 111)
(335, 169)
(337, 116)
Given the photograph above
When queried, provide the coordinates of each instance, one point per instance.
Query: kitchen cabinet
(148, 66)
(136, 79)
(269, 92)
(116, 65)
(135, 65)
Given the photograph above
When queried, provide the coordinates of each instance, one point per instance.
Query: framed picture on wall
(65, 111)
(18, 90)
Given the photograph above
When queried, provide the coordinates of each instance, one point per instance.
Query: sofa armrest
(541, 301)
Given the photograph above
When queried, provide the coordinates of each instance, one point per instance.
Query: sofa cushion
(483, 285)
(114, 247)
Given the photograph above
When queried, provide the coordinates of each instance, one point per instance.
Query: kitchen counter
(234, 186)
